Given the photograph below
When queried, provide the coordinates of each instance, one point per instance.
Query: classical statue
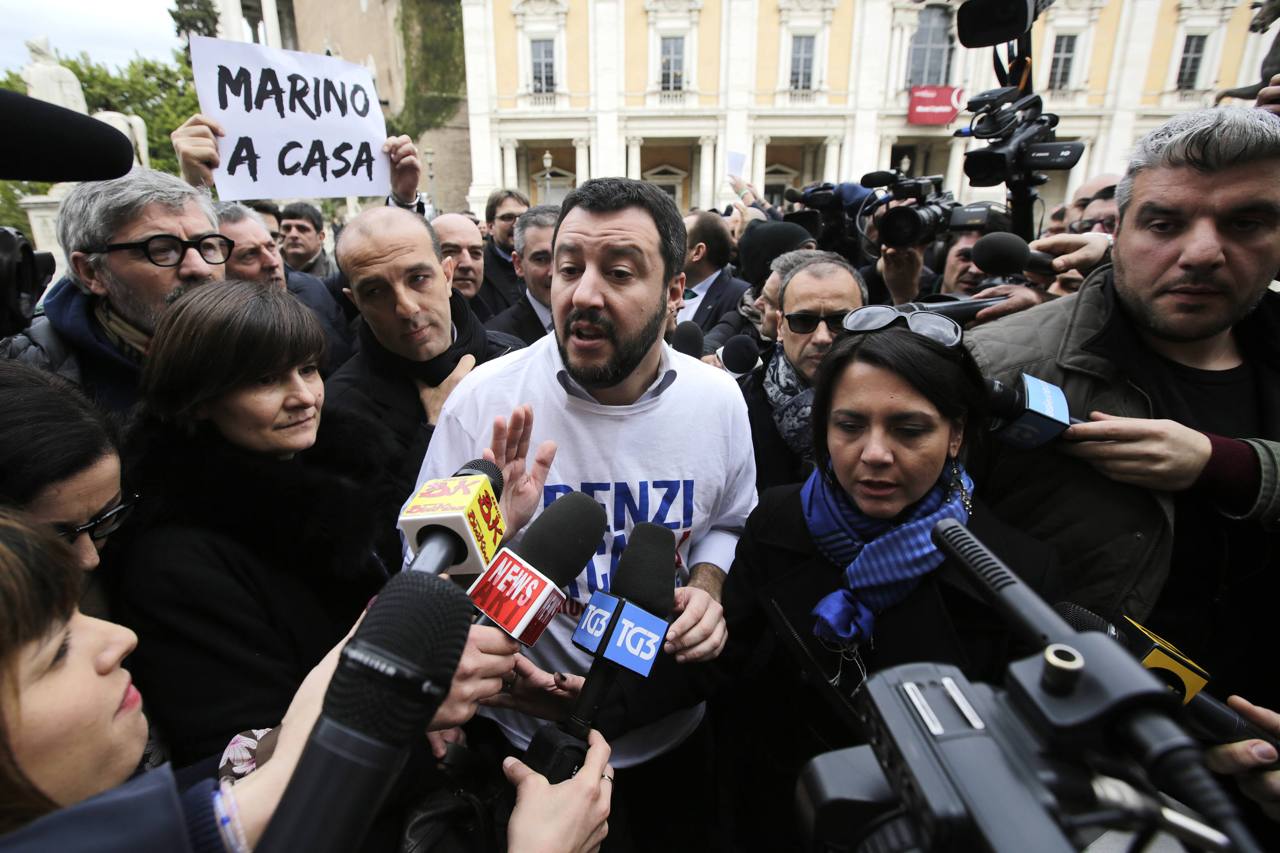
(49, 81)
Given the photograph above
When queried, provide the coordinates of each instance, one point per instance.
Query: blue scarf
(884, 560)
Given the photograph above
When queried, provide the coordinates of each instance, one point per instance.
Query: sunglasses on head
(804, 322)
(935, 327)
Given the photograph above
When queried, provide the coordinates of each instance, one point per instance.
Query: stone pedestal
(42, 210)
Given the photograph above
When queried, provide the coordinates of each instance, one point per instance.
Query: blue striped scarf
(884, 560)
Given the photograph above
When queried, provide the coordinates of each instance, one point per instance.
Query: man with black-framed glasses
(814, 298)
(131, 243)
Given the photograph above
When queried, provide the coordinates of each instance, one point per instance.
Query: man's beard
(1187, 328)
(126, 304)
(627, 354)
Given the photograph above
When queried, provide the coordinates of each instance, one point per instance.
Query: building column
(271, 22)
(581, 159)
(955, 165)
(231, 20)
(633, 157)
(486, 164)
(806, 171)
(1077, 175)
(758, 152)
(510, 179)
(831, 162)
(707, 173)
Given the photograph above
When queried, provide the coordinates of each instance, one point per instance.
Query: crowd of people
(208, 431)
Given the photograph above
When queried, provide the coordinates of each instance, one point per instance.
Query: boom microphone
(520, 592)
(390, 680)
(47, 142)
(1004, 253)
(739, 355)
(454, 524)
(687, 339)
(1213, 720)
(622, 629)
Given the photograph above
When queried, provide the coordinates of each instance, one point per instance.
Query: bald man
(461, 242)
(1085, 193)
(418, 338)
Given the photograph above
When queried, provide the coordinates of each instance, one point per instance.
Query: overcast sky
(110, 31)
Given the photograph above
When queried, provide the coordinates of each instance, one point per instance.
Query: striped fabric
(883, 560)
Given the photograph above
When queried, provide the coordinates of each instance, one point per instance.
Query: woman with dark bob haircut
(837, 578)
(253, 551)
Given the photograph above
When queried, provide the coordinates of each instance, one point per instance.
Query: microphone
(871, 180)
(58, 144)
(960, 310)
(1214, 721)
(687, 339)
(521, 592)
(1004, 253)
(792, 195)
(1029, 414)
(739, 355)
(453, 524)
(390, 680)
(621, 629)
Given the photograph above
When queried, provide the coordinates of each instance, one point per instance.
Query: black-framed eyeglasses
(168, 250)
(102, 525)
(804, 322)
(936, 327)
(1084, 226)
(507, 217)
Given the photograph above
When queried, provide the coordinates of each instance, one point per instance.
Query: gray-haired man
(1166, 503)
(130, 242)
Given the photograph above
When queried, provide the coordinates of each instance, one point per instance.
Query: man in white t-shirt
(651, 434)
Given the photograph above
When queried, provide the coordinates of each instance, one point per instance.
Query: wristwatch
(418, 205)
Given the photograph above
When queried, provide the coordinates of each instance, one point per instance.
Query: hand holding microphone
(567, 817)
(1246, 760)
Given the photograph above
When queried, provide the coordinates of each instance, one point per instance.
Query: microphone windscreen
(872, 180)
(1001, 253)
(1003, 401)
(420, 619)
(740, 354)
(483, 468)
(688, 339)
(46, 142)
(646, 572)
(562, 540)
(792, 194)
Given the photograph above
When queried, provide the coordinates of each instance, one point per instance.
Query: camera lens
(907, 226)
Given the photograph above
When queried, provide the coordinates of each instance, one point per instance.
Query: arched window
(931, 48)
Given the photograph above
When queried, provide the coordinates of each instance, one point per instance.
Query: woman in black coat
(253, 551)
(837, 577)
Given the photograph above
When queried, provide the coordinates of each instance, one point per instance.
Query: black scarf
(470, 338)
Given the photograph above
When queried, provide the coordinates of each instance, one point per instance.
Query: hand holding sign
(296, 124)
(196, 144)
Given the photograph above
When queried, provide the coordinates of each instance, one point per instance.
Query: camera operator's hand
(901, 271)
(1021, 297)
(1080, 252)
(1269, 97)
(1248, 759)
(487, 662)
(566, 818)
(196, 144)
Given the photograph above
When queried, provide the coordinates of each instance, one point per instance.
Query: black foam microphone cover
(1001, 253)
(792, 195)
(561, 541)
(688, 339)
(483, 468)
(871, 180)
(740, 354)
(46, 142)
(647, 569)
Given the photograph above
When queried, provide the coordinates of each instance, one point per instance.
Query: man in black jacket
(710, 287)
(502, 287)
(418, 338)
(530, 318)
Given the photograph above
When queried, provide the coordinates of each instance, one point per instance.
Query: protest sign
(298, 125)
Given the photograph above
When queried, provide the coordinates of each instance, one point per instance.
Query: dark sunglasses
(102, 525)
(168, 250)
(804, 322)
(935, 327)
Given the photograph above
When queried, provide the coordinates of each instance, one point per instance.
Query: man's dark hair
(497, 197)
(996, 219)
(270, 208)
(606, 195)
(711, 230)
(1104, 194)
(302, 210)
(947, 377)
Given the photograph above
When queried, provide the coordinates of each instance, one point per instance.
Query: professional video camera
(827, 216)
(1081, 739)
(24, 274)
(922, 221)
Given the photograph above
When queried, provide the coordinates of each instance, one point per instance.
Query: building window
(802, 63)
(1189, 66)
(1064, 52)
(931, 48)
(544, 65)
(672, 64)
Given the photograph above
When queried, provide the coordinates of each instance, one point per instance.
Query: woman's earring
(956, 486)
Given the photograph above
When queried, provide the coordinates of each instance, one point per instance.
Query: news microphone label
(636, 639)
(517, 597)
(465, 505)
(594, 622)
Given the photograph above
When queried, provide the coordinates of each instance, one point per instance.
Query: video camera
(1080, 739)
(24, 274)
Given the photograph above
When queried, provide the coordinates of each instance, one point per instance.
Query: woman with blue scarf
(838, 577)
